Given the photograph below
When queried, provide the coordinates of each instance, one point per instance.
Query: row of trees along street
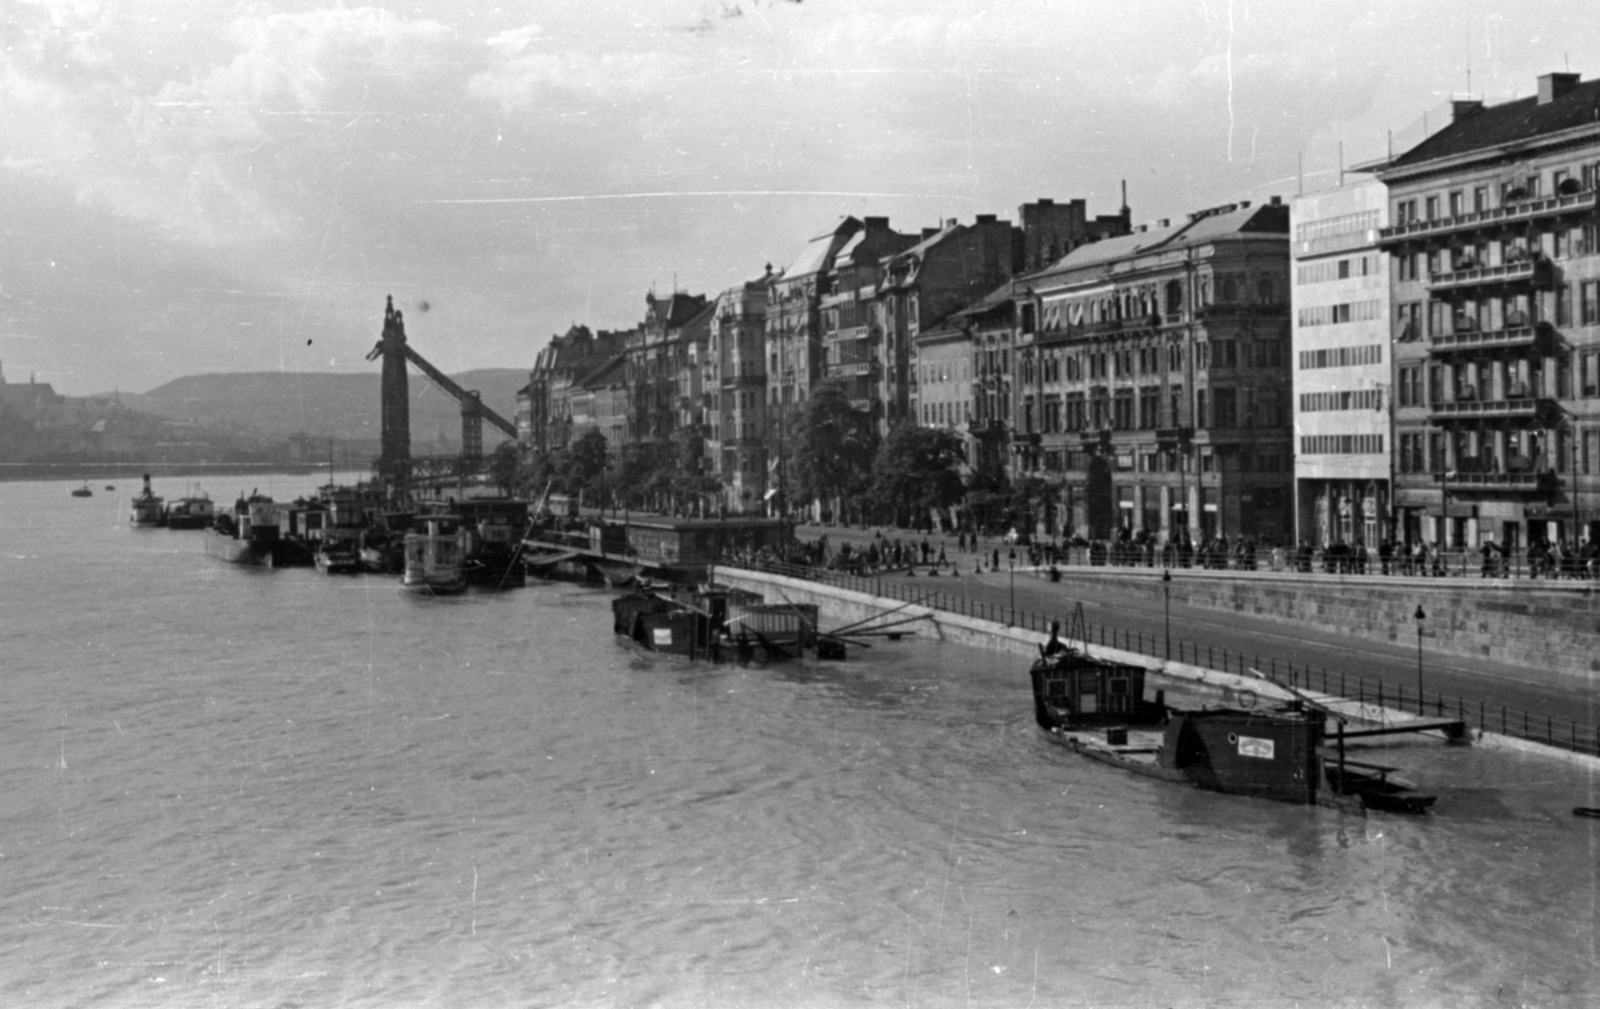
(913, 478)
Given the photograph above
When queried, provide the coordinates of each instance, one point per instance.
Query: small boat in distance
(83, 491)
(111, 486)
(147, 510)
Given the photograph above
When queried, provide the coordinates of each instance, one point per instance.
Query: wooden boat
(147, 510)
(83, 491)
(434, 557)
(1096, 707)
(714, 624)
(192, 511)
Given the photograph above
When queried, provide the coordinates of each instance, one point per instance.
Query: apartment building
(1494, 246)
(736, 374)
(1151, 379)
(1343, 387)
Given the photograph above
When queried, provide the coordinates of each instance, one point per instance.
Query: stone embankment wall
(1547, 625)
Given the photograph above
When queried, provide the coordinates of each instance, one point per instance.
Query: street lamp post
(1166, 588)
(1013, 557)
(1421, 616)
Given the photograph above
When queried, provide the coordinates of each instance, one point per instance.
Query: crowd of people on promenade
(899, 551)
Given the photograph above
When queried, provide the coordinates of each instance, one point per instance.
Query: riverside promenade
(1136, 611)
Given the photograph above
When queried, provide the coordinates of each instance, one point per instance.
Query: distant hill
(277, 405)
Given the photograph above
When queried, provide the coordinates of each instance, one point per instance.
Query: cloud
(523, 80)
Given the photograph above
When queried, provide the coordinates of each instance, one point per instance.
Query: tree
(585, 465)
(918, 470)
(834, 442)
(1032, 499)
(505, 468)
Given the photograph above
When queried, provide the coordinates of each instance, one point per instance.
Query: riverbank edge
(849, 605)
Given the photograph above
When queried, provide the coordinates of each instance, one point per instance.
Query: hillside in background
(276, 405)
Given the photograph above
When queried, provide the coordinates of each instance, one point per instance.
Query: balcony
(1235, 310)
(1025, 437)
(1091, 440)
(1532, 270)
(855, 369)
(1516, 213)
(1525, 480)
(1480, 342)
(1170, 437)
(1526, 411)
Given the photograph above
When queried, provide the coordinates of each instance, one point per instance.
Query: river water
(232, 787)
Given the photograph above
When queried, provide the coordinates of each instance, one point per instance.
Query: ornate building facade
(1151, 380)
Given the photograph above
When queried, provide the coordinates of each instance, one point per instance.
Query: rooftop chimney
(876, 222)
(1462, 108)
(1553, 86)
(985, 218)
(1276, 201)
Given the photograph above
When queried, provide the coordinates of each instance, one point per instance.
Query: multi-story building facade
(1494, 242)
(1153, 370)
(657, 358)
(1340, 350)
(736, 371)
(947, 269)
(851, 321)
(795, 355)
(544, 405)
(991, 325)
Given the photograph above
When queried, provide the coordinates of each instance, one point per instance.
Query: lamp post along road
(1421, 616)
(1166, 588)
(1013, 618)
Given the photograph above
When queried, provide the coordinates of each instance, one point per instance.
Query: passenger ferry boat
(435, 557)
(147, 510)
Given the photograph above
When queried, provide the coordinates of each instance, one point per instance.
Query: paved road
(1265, 642)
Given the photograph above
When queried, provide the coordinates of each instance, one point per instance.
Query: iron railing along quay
(1562, 734)
(1457, 563)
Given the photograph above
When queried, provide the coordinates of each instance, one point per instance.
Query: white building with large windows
(1342, 380)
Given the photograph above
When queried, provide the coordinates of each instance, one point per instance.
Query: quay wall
(1552, 626)
(1022, 646)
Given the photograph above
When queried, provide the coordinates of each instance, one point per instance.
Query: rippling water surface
(228, 787)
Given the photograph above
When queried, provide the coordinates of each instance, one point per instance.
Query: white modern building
(1343, 408)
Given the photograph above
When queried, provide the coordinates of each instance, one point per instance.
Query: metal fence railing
(1548, 730)
(1457, 563)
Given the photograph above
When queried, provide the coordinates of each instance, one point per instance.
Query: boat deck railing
(1547, 730)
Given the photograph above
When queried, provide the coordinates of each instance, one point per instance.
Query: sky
(191, 187)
